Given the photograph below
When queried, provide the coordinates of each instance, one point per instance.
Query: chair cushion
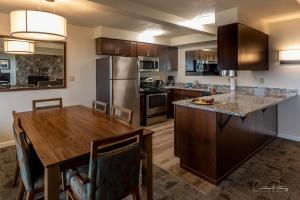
(79, 190)
(39, 183)
(31, 168)
(118, 173)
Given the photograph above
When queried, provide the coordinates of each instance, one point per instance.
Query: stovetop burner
(154, 90)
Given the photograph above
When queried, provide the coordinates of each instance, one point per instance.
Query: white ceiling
(113, 13)
(191, 8)
(86, 13)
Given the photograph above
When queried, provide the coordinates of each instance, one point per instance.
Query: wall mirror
(31, 65)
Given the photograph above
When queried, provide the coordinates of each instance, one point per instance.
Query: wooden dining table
(62, 139)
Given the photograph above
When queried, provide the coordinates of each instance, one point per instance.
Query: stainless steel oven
(156, 108)
(148, 64)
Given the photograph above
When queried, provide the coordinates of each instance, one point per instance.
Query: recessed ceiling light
(199, 21)
(153, 32)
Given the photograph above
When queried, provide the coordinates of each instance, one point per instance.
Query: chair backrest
(124, 115)
(100, 106)
(57, 101)
(23, 153)
(115, 166)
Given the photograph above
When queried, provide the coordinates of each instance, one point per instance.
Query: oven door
(156, 103)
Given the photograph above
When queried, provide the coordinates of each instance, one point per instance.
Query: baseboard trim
(289, 137)
(7, 144)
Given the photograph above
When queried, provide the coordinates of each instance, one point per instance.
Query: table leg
(52, 182)
(147, 175)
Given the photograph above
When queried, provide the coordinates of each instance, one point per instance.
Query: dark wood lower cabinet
(182, 94)
(212, 145)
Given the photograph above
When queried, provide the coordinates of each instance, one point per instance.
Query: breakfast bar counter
(238, 104)
(213, 140)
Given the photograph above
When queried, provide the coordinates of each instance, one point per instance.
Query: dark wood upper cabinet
(123, 48)
(107, 46)
(242, 48)
(189, 61)
(148, 50)
(173, 59)
(168, 58)
(163, 54)
(132, 49)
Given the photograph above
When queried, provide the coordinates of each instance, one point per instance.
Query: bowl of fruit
(203, 101)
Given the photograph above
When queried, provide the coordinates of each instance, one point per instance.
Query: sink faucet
(196, 84)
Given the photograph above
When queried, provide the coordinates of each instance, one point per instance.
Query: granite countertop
(238, 104)
(186, 88)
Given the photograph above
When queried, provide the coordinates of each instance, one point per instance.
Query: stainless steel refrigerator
(117, 83)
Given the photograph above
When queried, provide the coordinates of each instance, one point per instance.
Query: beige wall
(80, 64)
(283, 35)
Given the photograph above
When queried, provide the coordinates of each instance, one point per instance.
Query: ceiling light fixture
(18, 46)
(38, 25)
(289, 56)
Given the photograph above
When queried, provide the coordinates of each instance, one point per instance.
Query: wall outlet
(228, 79)
(71, 78)
(261, 80)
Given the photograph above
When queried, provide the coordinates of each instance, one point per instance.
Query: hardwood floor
(163, 156)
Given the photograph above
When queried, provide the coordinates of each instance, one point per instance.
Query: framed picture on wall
(4, 64)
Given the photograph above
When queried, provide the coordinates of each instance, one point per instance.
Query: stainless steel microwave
(148, 64)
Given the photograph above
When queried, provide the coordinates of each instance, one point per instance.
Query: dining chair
(31, 169)
(123, 115)
(100, 106)
(113, 170)
(56, 103)
(17, 169)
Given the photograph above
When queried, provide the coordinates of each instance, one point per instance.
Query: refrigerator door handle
(138, 80)
(137, 89)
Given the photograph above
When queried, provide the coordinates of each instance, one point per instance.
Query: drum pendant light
(38, 25)
(18, 46)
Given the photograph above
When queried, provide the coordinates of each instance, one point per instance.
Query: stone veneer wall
(39, 65)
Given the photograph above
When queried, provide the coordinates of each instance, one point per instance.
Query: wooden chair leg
(70, 195)
(137, 194)
(17, 174)
(30, 196)
(21, 190)
(63, 181)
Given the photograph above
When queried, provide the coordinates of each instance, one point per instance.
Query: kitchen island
(213, 140)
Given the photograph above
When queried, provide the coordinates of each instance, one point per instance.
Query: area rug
(166, 186)
(278, 164)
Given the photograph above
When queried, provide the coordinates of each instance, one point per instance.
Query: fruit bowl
(203, 101)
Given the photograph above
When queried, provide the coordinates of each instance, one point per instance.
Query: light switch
(71, 78)
(261, 80)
